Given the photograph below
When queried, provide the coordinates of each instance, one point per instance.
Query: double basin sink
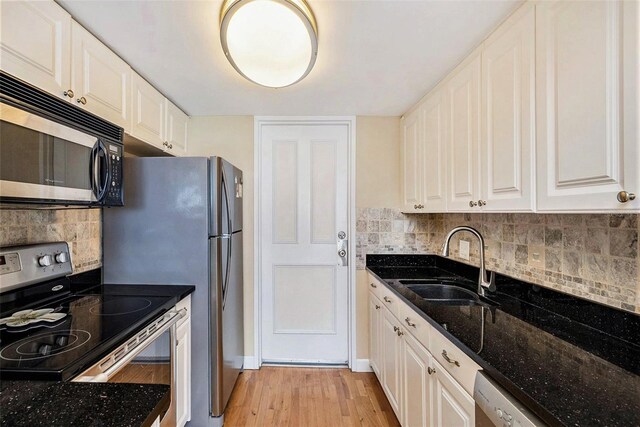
(446, 292)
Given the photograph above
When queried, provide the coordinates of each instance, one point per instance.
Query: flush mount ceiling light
(273, 43)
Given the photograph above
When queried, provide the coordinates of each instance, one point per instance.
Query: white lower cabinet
(183, 376)
(391, 347)
(420, 390)
(417, 385)
(452, 405)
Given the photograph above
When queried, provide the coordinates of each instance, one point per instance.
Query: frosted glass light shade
(273, 43)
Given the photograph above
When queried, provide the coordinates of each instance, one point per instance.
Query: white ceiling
(375, 57)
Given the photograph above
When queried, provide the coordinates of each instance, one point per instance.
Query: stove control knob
(62, 257)
(45, 260)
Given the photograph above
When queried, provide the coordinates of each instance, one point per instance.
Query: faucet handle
(492, 281)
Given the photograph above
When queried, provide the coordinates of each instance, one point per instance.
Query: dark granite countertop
(571, 361)
(51, 404)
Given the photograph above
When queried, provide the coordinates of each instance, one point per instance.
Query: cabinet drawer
(389, 299)
(184, 303)
(374, 285)
(458, 364)
(412, 322)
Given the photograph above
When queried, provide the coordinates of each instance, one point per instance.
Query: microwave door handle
(107, 176)
(93, 170)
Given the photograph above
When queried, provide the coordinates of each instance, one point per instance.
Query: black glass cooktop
(58, 339)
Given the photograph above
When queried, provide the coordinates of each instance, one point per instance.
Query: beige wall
(377, 184)
(231, 137)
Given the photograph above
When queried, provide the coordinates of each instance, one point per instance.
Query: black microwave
(54, 153)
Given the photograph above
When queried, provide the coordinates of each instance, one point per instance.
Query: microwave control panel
(115, 196)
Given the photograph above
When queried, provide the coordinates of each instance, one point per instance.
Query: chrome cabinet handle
(377, 307)
(413, 325)
(472, 204)
(624, 197)
(448, 359)
(430, 370)
(387, 299)
(373, 285)
(82, 100)
(482, 203)
(68, 93)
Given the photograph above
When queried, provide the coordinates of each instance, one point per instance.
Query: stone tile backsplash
(593, 256)
(80, 228)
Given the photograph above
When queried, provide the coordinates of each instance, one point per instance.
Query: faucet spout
(485, 281)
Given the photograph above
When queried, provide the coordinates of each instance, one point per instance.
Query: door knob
(624, 197)
(342, 253)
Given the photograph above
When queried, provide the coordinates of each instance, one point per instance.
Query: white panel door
(411, 161)
(375, 309)
(587, 111)
(100, 79)
(452, 406)
(149, 113)
(304, 205)
(508, 109)
(417, 383)
(434, 154)
(35, 44)
(177, 130)
(391, 346)
(463, 118)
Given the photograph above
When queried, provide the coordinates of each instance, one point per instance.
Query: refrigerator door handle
(229, 239)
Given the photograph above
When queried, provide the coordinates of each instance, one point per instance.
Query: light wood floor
(308, 397)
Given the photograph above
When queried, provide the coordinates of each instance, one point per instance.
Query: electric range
(49, 331)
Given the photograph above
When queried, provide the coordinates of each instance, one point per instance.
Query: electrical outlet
(464, 249)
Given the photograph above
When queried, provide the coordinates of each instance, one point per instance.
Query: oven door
(146, 358)
(45, 161)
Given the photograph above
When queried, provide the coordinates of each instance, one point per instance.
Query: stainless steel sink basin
(446, 292)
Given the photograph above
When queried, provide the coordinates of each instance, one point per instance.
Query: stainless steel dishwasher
(496, 407)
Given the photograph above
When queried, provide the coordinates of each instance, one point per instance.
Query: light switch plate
(464, 249)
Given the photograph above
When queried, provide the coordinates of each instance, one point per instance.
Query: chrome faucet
(483, 280)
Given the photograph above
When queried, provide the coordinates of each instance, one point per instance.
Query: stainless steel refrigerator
(182, 224)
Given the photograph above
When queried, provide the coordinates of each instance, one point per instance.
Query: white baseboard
(362, 365)
(250, 362)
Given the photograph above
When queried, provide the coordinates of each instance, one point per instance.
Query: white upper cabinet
(149, 113)
(411, 161)
(35, 44)
(100, 79)
(508, 109)
(462, 93)
(434, 154)
(587, 110)
(177, 130)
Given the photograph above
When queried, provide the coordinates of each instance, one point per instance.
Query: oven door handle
(104, 376)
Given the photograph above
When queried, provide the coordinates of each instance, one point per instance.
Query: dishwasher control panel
(497, 407)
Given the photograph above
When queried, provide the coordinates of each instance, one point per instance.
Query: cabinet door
(452, 405)
(177, 130)
(149, 113)
(375, 306)
(508, 108)
(411, 161)
(587, 110)
(390, 346)
(463, 118)
(100, 79)
(35, 44)
(434, 154)
(183, 376)
(416, 390)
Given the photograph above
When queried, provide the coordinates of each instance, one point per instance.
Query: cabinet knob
(431, 370)
(624, 197)
(409, 322)
(399, 332)
(165, 144)
(482, 203)
(387, 299)
(68, 93)
(82, 100)
(418, 206)
(472, 204)
(377, 307)
(170, 146)
(396, 329)
(373, 285)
